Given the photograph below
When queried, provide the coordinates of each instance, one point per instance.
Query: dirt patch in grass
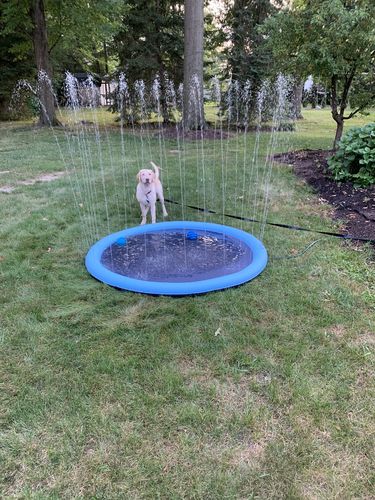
(249, 455)
(364, 339)
(338, 331)
(231, 396)
(47, 177)
(355, 206)
(6, 189)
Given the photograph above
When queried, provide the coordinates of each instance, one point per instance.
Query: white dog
(149, 189)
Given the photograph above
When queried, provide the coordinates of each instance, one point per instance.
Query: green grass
(109, 394)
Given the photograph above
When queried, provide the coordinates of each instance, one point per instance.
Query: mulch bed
(355, 206)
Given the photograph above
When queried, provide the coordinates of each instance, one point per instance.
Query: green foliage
(323, 38)
(150, 43)
(334, 40)
(151, 40)
(15, 55)
(76, 32)
(248, 57)
(355, 159)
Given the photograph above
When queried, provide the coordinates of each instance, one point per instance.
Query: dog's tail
(156, 169)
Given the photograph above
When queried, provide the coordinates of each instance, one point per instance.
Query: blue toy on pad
(121, 241)
(191, 235)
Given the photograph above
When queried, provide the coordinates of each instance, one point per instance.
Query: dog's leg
(153, 212)
(144, 210)
(161, 199)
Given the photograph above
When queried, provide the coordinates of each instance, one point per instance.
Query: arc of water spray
(250, 184)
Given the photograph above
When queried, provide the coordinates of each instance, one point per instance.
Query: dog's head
(146, 176)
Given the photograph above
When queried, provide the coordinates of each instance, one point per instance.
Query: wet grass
(109, 394)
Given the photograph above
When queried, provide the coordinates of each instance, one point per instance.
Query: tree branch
(53, 45)
(334, 104)
(364, 106)
(345, 92)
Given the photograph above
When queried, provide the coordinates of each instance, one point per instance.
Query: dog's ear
(139, 176)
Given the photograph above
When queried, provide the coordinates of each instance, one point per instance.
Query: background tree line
(250, 40)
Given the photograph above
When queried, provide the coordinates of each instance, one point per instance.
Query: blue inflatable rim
(98, 271)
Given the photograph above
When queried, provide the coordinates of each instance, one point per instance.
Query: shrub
(355, 159)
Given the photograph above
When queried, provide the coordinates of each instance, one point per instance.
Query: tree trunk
(193, 114)
(163, 98)
(334, 111)
(297, 99)
(4, 108)
(338, 106)
(47, 102)
(339, 129)
(163, 89)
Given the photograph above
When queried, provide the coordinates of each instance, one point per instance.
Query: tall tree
(76, 28)
(14, 65)
(247, 57)
(333, 40)
(150, 43)
(193, 65)
(79, 30)
(47, 115)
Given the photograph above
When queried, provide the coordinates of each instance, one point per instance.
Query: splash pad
(177, 258)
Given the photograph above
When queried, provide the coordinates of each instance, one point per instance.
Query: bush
(355, 159)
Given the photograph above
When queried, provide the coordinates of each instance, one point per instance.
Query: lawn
(261, 391)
